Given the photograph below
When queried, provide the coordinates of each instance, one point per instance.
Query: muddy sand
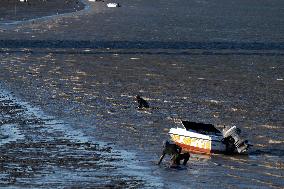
(12, 11)
(84, 69)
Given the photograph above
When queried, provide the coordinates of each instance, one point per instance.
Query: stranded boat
(206, 139)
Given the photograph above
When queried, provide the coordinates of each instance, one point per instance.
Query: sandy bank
(15, 11)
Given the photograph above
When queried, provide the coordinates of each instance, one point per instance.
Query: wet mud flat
(188, 65)
(41, 152)
(94, 90)
(14, 10)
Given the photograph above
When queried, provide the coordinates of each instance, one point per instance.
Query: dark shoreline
(179, 45)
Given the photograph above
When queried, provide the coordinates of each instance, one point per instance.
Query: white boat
(206, 139)
(112, 5)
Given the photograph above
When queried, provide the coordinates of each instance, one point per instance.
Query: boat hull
(197, 143)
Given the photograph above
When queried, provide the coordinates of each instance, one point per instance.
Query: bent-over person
(174, 151)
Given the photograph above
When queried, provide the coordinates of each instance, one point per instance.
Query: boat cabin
(201, 128)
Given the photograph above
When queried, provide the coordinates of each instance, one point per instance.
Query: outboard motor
(233, 140)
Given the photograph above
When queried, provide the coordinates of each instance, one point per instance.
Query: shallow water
(224, 70)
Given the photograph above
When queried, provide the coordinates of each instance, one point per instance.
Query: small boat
(206, 139)
(112, 5)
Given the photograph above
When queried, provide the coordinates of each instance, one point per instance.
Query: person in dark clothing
(141, 102)
(170, 149)
(181, 156)
(174, 151)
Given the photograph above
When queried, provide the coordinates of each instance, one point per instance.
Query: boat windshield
(200, 127)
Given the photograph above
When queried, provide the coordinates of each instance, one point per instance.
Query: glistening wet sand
(86, 70)
(97, 94)
(38, 151)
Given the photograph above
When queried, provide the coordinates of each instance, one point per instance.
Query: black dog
(141, 102)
